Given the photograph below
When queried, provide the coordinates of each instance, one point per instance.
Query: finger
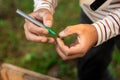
(61, 54)
(64, 57)
(76, 49)
(62, 46)
(35, 29)
(67, 32)
(25, 26)
(35, 38)
(51, 40)
(74, 56)
(48, 19)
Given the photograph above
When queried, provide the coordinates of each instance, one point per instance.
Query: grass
(42, 58)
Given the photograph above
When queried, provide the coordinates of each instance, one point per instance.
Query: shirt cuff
(46, 4)
(109, 27)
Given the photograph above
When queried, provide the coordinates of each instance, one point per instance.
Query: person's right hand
(35, 33)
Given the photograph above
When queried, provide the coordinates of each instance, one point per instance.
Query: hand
(86, 38)
(35, 33)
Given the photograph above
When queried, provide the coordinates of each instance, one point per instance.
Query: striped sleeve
(47, 4)
(108, 27)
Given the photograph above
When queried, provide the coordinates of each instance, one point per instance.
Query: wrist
(99, 33)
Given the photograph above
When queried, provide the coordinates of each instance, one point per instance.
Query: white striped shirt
(106, 21)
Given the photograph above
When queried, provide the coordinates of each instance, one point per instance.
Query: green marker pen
(34, 21)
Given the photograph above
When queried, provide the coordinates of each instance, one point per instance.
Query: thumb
(48, 20)
(67, 32)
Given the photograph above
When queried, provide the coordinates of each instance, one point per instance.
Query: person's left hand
(86, 38)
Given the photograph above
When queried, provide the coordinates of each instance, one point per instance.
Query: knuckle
(25, 26)
(27, 37)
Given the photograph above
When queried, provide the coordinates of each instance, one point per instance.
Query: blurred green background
(42, 58)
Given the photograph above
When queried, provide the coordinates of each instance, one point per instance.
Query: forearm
(108, 27)
(47, 4)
